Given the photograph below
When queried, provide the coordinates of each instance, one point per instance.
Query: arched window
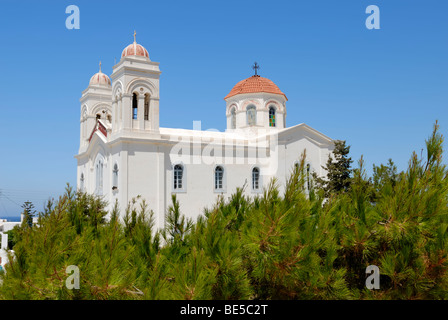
(146, 106)
(115, 177)
(306, 173)
(99, 177)
(233, 118)
(81, 182)
(271, 116)
(251, 114)
(178, 176)
(219, 177)
(255, 179)
(134, 106)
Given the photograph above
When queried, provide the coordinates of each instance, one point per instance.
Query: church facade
(124, 153)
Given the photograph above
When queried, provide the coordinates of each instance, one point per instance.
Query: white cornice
(255, 95)
(320, 137)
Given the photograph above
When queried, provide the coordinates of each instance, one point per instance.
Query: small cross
(135, 33)
(100, 65)
(255, 67)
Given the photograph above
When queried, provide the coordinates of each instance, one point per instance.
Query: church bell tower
(135, 91)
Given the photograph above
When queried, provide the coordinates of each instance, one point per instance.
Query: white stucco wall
(146, 168)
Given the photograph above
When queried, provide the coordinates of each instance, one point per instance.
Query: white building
(124, 153)
(6, 226)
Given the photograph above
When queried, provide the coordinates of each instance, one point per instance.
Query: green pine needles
(300, 244)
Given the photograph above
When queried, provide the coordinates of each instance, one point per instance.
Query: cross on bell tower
(256, 66)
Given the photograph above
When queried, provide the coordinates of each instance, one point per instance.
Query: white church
(124, 153)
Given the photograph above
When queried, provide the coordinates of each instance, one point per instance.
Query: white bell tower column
(136, 73)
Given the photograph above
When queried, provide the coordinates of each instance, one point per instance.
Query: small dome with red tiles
(135, 49)
(255, 84)
(100, 79)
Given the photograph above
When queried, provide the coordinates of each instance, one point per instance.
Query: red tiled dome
(100, 79)
(135, 49)
(255, 84)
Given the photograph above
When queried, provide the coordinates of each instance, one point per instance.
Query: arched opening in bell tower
(134, 106)
(146, 114)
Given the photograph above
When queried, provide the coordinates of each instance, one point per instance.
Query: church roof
(255, 84)
(135, 49)
(100, 79)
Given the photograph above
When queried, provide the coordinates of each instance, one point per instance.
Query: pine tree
(338, 168)
(384, 179)
(28, 213)
(177, 225)
(271, 246)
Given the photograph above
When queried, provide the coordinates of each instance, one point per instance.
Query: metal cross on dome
(256, 66)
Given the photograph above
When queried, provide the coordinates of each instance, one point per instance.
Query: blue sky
(380, 90)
